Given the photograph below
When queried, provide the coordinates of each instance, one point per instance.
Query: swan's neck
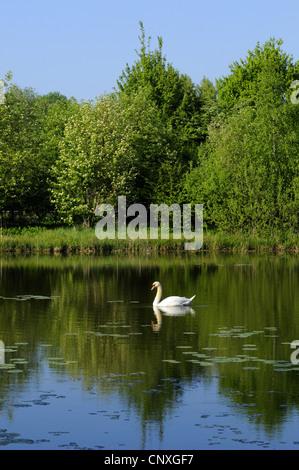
(158, 295)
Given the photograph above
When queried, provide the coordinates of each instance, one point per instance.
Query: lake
(87, 363)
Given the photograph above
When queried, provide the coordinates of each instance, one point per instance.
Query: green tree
(243, 85)
(247, 175)
(210, 108)
(20, 186)
(178, 100)
(207, 90)
(56, 110)
(30, 127)
(153, 143)
(112, 147)
(95, 163)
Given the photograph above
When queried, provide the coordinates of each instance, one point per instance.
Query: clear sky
(80, 48)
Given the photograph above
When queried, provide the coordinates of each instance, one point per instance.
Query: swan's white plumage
(172, 301)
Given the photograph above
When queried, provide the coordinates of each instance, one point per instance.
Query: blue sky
(80, 48)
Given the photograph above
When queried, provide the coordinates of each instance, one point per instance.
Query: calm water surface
(86, 363)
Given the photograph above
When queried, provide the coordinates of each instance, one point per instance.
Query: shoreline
(83, 241)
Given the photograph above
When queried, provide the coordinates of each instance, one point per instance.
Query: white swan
(173, 301)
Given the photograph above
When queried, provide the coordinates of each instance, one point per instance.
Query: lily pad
(34, 297)
(7, 366)
(114, 335)
(222, 359)
(172, 361)
(19, 361)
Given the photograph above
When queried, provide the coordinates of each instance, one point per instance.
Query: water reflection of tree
(132, 364)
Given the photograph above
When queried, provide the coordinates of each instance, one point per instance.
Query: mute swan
(172, 301)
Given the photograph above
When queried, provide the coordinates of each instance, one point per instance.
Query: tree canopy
(160, 138)
(247, 177)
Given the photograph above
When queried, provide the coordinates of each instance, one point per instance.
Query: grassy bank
(71, 241)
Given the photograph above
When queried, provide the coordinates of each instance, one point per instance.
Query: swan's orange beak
(153, 287)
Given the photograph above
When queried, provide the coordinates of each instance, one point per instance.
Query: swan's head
(155, 284)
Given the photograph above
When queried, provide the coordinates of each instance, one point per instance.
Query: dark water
(85, 362)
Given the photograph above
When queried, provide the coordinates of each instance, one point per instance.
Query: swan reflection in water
(168, 311)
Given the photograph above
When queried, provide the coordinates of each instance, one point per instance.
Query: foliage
(243, 85)
(177, 98)
(154, 145)
(160, 138)
(19, 180)
(94, 162)
(248, 173)
(28, 145)
(109, 148)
